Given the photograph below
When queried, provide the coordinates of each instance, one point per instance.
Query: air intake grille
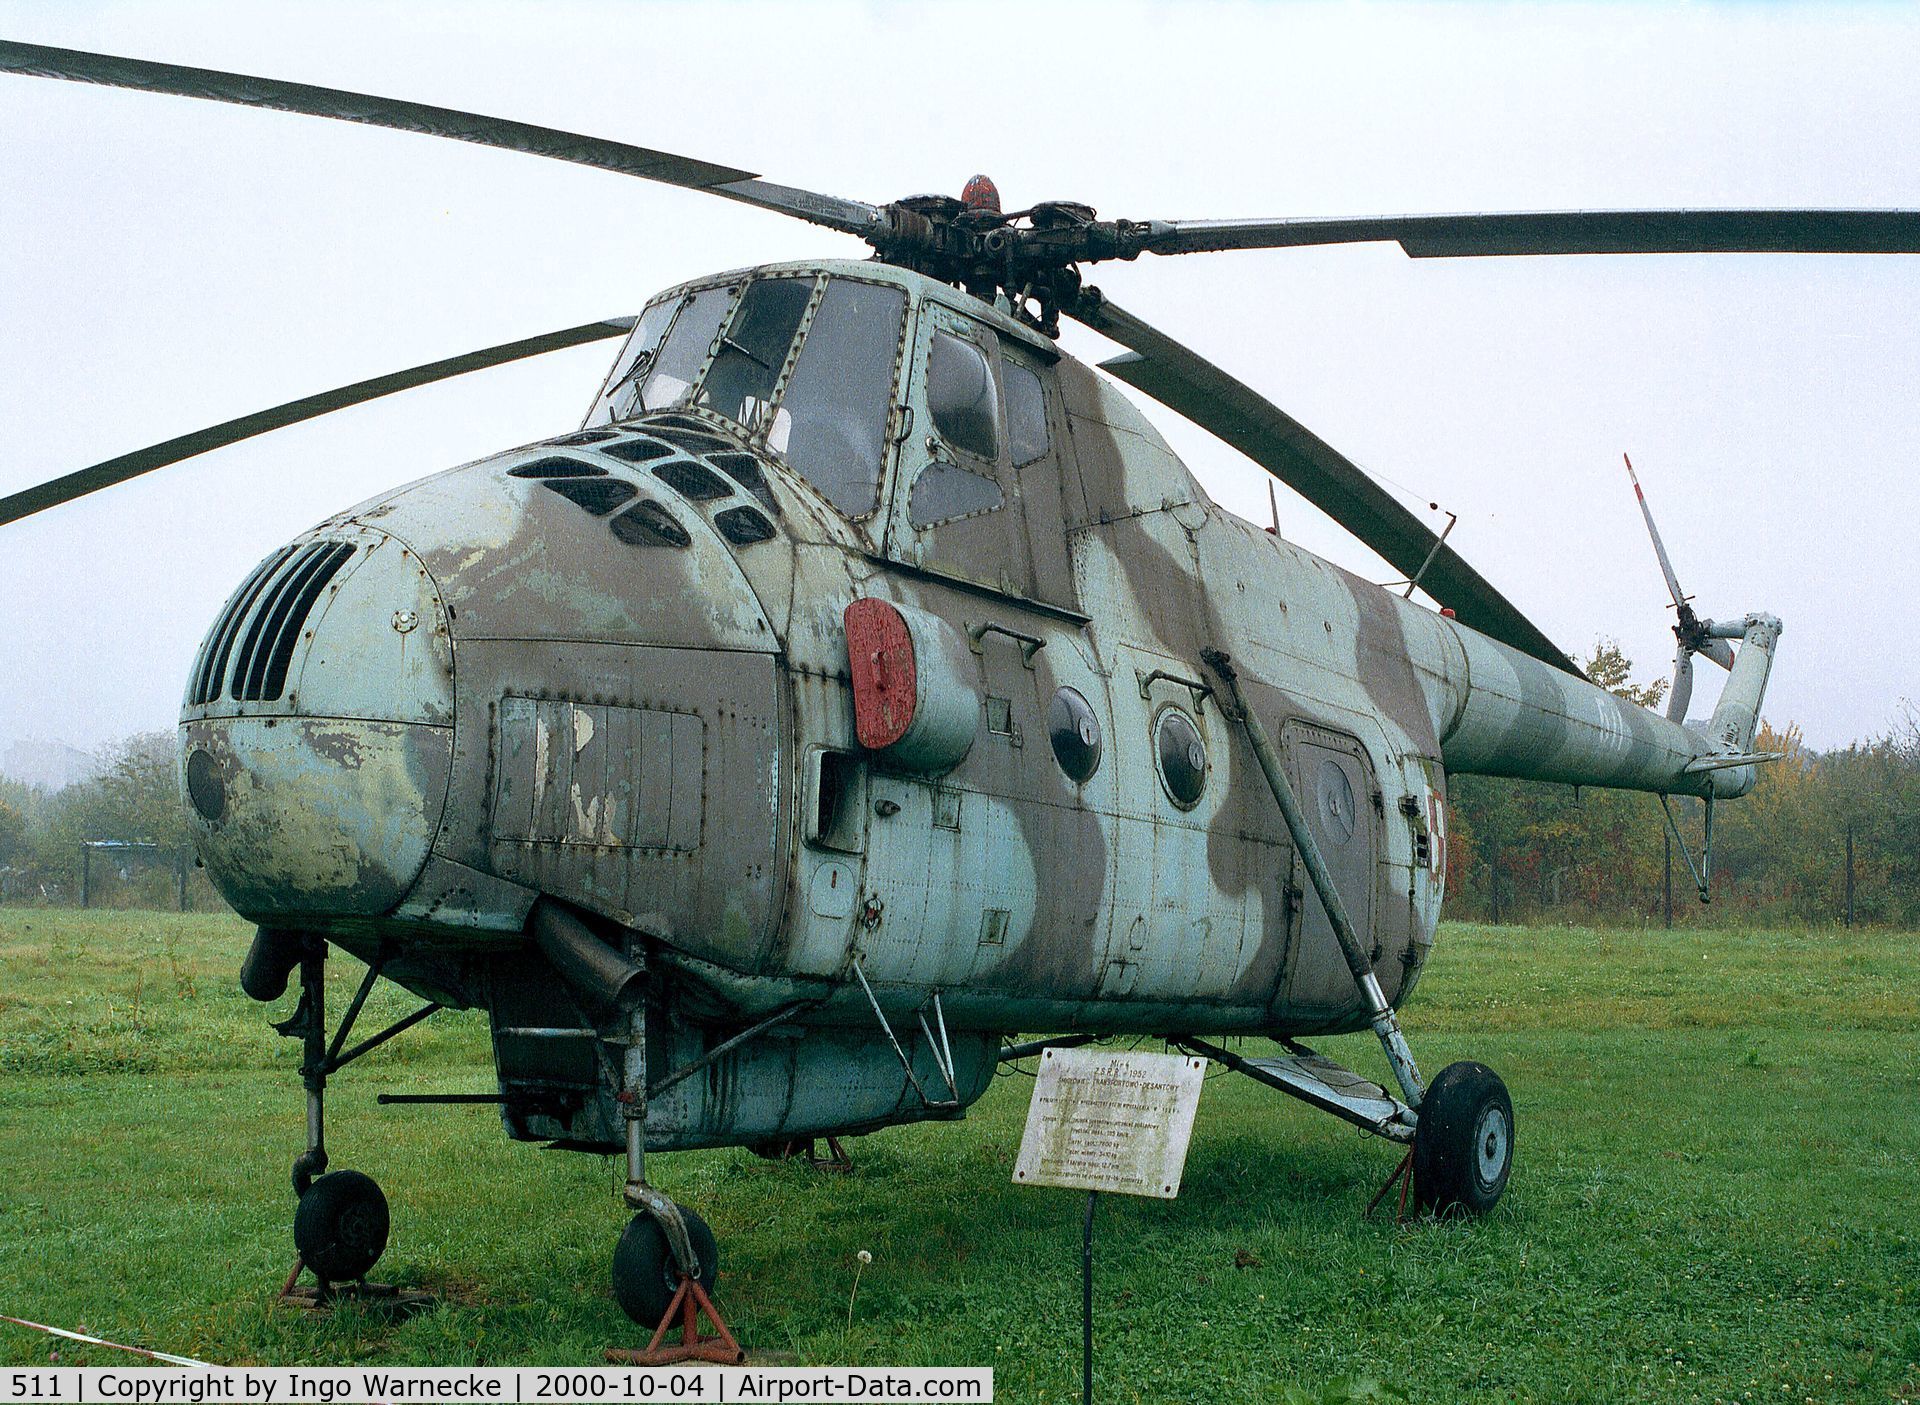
(260, 671)
(210, 674)
(261, 624)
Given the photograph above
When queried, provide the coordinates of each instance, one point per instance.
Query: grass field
(1714, 1194)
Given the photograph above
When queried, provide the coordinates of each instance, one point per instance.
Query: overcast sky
(166, 264)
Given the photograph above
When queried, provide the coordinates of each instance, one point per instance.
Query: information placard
(1102, 1120)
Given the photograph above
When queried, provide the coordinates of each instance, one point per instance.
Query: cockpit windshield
(753, 350)
(726, 349)
(832, 424)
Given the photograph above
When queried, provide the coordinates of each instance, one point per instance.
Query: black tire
(645, 1276)
(1463, 1143)
(341, 1226)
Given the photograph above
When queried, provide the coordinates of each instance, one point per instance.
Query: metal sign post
(1108, 1121)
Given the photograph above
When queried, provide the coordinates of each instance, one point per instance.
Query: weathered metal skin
(650, 718)
(321, 805)
(1503, 714)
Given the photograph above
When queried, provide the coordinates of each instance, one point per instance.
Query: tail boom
(1499, 712)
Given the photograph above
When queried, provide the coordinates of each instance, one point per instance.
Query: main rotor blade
(37, 60)
(118, 470)
(1185, 381)
(1563, 232)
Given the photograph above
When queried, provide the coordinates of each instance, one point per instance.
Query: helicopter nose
(316, 737)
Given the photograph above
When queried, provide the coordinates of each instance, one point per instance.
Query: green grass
(1718, 1139)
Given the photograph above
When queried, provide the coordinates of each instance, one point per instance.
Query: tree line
(134, 800)
(1516, 851)
(1822, 836)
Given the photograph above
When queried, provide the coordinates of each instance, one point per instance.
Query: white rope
(101, 1341)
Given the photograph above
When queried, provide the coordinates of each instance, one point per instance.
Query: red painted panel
(881, 653)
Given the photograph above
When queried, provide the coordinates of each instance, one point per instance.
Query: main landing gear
(1459, 1140)
(1463, 1142)
(1460, 1127)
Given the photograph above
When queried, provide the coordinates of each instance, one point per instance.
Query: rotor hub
(1027, 256)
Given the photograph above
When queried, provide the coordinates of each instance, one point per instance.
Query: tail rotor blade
(1682, 694)
(1720, 651)
(1659, 547)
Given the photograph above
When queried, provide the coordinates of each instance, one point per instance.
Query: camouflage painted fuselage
(514, 686)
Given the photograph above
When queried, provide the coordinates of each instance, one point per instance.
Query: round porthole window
(1183, 757)
(204, 786)
(1075, 733)
(1336, 802)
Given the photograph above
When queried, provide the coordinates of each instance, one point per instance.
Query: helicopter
(864, 679)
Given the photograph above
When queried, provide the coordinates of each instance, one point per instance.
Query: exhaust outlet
(588, 965)
(270, 962)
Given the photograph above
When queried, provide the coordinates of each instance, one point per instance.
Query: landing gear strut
(1460, 1125)
(340, 1225)
(666, 1262)
(666, 1259)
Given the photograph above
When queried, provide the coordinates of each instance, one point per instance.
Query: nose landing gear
(666, 1261)
(341, 1224)
(647, 1273)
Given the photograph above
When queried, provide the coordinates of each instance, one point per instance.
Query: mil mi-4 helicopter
(865, 679)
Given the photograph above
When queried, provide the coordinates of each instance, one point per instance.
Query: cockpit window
(946, 491)
(1026, 413)
(621, 399)
(961, 396)
(832, 424)
(670, 383)
(754, 347)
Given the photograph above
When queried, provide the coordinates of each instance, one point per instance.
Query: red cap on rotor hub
(981, 194)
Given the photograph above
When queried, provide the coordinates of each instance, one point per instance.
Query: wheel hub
(1491, 1145)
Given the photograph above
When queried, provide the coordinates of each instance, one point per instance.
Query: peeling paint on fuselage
(692, 812)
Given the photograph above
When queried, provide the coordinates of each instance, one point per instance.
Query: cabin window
(739, 384)
(1074, 731)
(961, 396)
(945, 492)
(1182, 756)
(832, 425)
(1026, 413)
(685, 349)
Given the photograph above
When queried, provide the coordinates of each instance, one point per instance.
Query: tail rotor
(1693, 634)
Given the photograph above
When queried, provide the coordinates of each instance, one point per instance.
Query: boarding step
(1319, 1081)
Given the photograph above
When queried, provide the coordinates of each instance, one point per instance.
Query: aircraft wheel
(1463, 1144)
(645, 1275)
(341, 1226)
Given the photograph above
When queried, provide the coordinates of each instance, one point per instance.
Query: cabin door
(1335, 786)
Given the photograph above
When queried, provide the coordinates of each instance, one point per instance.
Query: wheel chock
(689, 1302)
